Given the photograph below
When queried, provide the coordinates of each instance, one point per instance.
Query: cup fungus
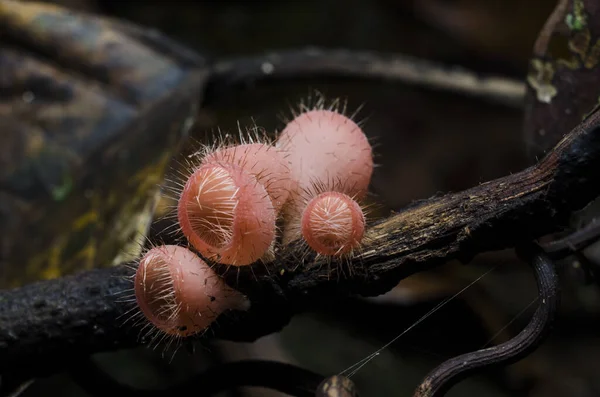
(266, 163)
(333, 224)
(226, 214)
(325, 145)
(332, 162)
(179, 294)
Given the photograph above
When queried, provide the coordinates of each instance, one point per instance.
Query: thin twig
(442, 378)
(576, 241)
(558, 16)
(317, 62)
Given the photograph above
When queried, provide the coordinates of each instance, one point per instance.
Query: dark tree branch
(78, 315)
(574, 242)
(450, 372)
(317, 62)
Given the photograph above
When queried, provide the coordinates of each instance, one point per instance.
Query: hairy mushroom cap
(179, 293)
(226, 214)
(324, 145)
(266, 163)
(333, 224)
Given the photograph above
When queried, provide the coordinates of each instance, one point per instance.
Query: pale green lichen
(541, 80)
(573, 22)
(59, 193)
(577, 20)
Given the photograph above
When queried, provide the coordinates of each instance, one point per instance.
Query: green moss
(573, 23)
(59, 193)
(578, 19)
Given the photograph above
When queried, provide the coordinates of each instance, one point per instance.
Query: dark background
(427, 142)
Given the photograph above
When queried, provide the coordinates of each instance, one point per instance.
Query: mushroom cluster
(243, 199)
